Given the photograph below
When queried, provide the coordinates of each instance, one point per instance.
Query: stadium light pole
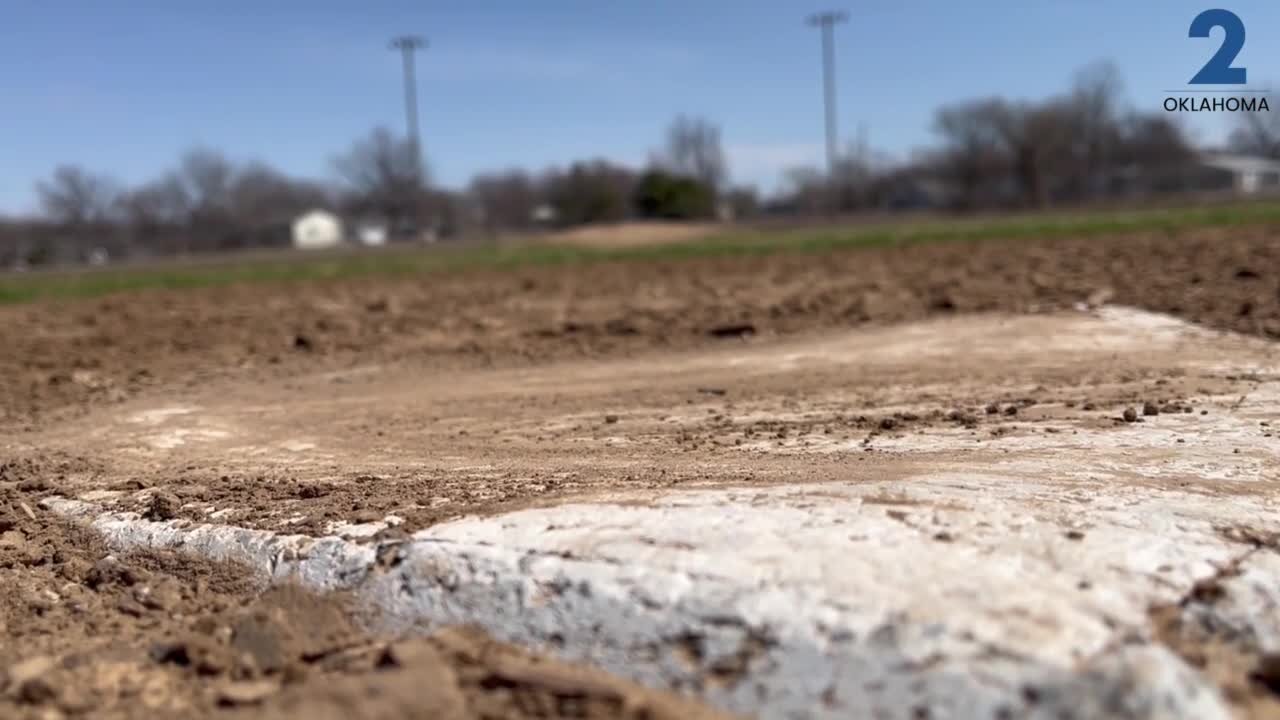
(407, 45)
(826, 22)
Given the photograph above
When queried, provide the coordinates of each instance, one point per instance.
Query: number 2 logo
(1218, 70)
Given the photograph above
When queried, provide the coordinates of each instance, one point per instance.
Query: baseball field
(1021, 467)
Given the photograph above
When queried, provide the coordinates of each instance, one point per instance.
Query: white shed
(371, 233)
(1244, 174)
(317, 229)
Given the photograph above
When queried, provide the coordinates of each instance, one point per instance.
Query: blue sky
(124, 87)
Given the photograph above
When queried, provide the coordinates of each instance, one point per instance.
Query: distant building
(544, 214)
(1241, 174)
(317, 229)
(371, 233)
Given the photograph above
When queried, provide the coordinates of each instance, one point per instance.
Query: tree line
(1077, 146)
(208, 202)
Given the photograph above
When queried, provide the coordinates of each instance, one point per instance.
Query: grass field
(84, 283)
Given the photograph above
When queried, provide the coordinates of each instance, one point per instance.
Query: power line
(827, 21)
(408, 45)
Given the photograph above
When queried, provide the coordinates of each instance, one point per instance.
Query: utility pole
(827, 21)
(408, 45)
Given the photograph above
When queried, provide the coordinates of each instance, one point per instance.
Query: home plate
(1032, 575)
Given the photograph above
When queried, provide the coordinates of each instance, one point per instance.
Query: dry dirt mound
(633, 234)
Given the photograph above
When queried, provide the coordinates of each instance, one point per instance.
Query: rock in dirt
(163, 595)
(13, 539)
(249, 692)
(1130, 415)
(1150, 409)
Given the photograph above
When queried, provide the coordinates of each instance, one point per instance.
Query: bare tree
(693, 149)
(381, 173)
(1039, 140)
(1000, 152)
(854, 177)
(591, 192)
(506, 199)
(744, 201)
(808, 191)
(207, 176)
(261, 195)
(1155, 148)
(1094, 110)
(1258, 133)
(973, 157)
(74, 196)
(162, 202)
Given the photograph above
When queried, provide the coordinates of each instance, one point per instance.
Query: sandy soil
(487, 392)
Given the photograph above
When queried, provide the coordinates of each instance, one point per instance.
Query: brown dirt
(92, 634)
(702, 449)
(162, 635)
(61, 356)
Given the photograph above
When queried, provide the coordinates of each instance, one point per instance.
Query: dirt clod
(732, 330)
(1267, 673)
(163, 506)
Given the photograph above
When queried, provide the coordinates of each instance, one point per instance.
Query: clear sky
(124, 87)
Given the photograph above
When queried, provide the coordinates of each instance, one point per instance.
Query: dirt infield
(60, 355)
(375, 409)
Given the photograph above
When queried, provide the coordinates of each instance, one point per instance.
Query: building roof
(1240, 164)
